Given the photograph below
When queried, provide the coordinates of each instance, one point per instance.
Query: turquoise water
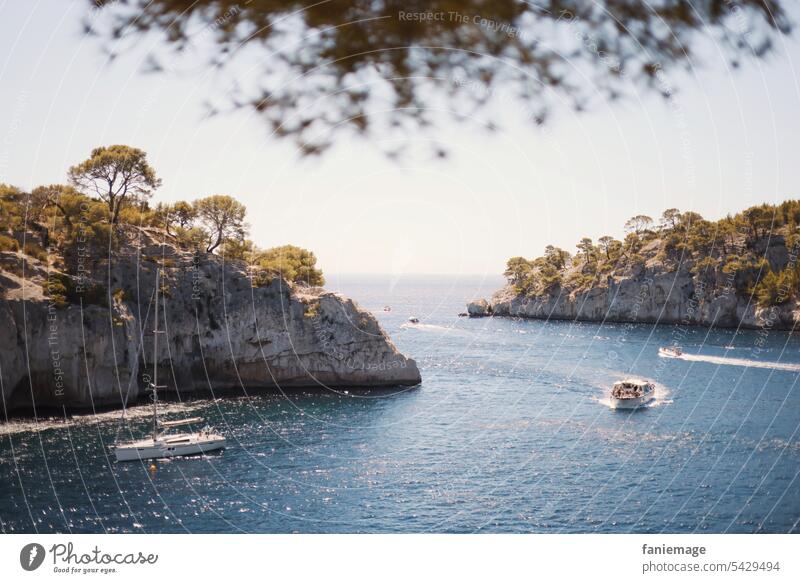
(509, 432)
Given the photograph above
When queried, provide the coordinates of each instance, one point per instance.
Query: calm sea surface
(509, 432)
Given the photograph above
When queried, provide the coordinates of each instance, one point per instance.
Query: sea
(511, 431)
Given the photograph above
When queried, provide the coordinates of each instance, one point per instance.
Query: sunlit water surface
(511, 431)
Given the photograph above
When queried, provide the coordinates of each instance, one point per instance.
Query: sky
(726, 140)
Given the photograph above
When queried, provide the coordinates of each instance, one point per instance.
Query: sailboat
(161, 444)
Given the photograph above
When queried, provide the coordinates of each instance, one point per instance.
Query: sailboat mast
(155, 363)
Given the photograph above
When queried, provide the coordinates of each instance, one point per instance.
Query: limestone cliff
(221, 333)
(665, 298)
(655, 291)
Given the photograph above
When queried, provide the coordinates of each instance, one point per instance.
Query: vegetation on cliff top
(752, 252)
(108, 198)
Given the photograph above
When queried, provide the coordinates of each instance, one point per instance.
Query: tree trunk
(216, 244)
(67, 221)
(113, 208)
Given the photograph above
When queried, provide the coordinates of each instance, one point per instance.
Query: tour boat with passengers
(632, 393)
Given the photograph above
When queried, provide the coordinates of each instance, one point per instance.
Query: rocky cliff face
(652, 295)
(220, 333)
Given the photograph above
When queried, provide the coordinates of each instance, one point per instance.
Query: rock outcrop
(479, 309)
(221, 333)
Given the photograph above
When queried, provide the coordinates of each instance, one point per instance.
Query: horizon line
(388, 274)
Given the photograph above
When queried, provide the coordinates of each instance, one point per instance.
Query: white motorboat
(413, 320)
(632, 393)
(161, 444)
(670, 351)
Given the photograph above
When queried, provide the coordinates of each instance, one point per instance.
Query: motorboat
(670, 351)
(632, 393)
(413, 320)
(160, 443)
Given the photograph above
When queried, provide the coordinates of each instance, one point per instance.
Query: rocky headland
(739, 272)
(226, 329)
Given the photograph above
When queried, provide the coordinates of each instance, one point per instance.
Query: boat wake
(411, 326)
(791, 367)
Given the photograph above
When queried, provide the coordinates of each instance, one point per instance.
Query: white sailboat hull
(167, 447)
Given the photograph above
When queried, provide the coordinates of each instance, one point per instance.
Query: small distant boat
(387, 308)
(632, 393)
(670, 351)
(413, 320)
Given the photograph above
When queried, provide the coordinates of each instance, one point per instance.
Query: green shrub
(191, 238)
(8, 243)
(581, 281)
(56, 290)
(294, 264)
(519, 273)
(35, 250)
(705, 265)
(636, 261)
(63, 290)
(237, 249)
(775, 288)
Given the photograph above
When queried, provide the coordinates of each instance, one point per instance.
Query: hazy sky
(727, 140)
